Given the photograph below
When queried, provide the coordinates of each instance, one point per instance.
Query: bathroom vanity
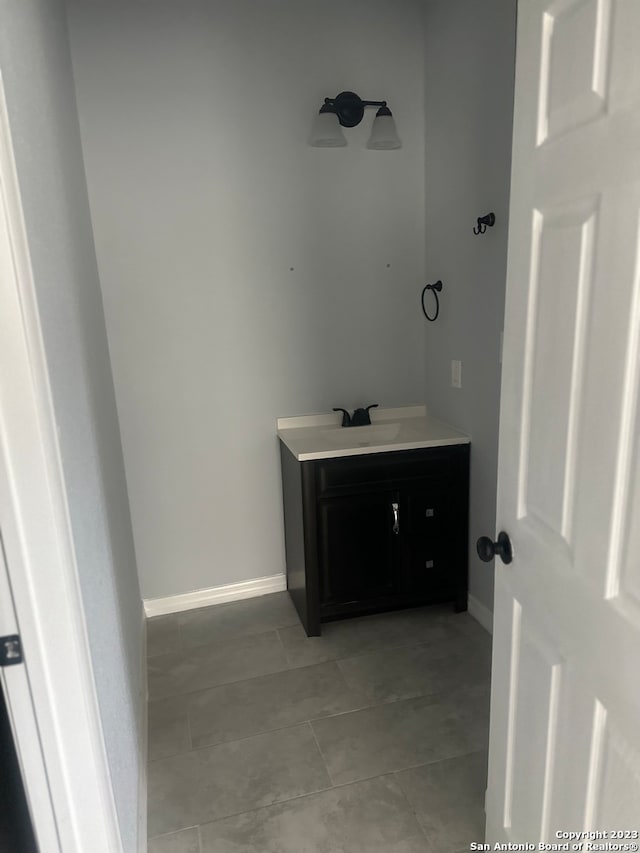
(376, 517)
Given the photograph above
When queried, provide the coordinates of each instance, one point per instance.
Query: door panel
(357, 547)
(558, 312)
(574, 66)
(565, 741)
(531, 736)
(616, 782)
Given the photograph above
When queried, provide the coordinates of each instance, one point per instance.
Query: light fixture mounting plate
(349, 108)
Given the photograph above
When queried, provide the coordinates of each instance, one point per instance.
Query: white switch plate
(456, 374)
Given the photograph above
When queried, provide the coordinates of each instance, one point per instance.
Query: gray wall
(469, 58)
(204, 194)
(36, 67)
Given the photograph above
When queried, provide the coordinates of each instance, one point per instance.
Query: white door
(565, 721)
(51, 697)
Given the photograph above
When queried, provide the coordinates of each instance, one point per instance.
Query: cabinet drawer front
(432, 566)
(394, 468)
(429, 511)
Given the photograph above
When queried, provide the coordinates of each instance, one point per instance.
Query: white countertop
(405, 428)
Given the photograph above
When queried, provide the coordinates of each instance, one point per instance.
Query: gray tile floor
(369, 739)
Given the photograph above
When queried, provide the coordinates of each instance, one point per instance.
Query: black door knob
(487, 549)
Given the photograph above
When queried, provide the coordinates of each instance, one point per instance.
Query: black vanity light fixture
(347, 110)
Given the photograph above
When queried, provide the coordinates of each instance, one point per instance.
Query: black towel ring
(435, 289)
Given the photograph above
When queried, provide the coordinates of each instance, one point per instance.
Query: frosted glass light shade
(326, 131)
(384, 135)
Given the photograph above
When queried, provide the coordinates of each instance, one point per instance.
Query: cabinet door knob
(487, 549)
(396, 518)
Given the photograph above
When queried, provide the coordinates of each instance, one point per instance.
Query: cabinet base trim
(481, 613)
(215, 595)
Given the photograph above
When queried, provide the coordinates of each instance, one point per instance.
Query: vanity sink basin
(319, 436)
(362, 436)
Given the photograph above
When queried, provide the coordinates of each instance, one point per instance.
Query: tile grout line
(284, 651)
(189, 730)
(303, 723)
(368, 706)
(180, 637)
(335, 786)
(219, 684)
(320, 752)
(187, 693)
(396, 774)
(310, 723)
(405, 644)
(457, 630)
(281, 802)
(404, 769)
(341, 657)
(311, 720)
(186, 711)
(230, 639)
(293, 667)
(267, 806)
(175, 831)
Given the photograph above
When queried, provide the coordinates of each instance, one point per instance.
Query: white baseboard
(214, 595)
(480, 613)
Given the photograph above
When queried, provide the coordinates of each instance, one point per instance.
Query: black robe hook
(483, 221)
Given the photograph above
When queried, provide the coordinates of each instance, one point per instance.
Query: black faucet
(360, 417)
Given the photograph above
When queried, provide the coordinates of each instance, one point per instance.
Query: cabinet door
(358, 547)
(430, 565)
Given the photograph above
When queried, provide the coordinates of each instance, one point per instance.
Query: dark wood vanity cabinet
(376, 532)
